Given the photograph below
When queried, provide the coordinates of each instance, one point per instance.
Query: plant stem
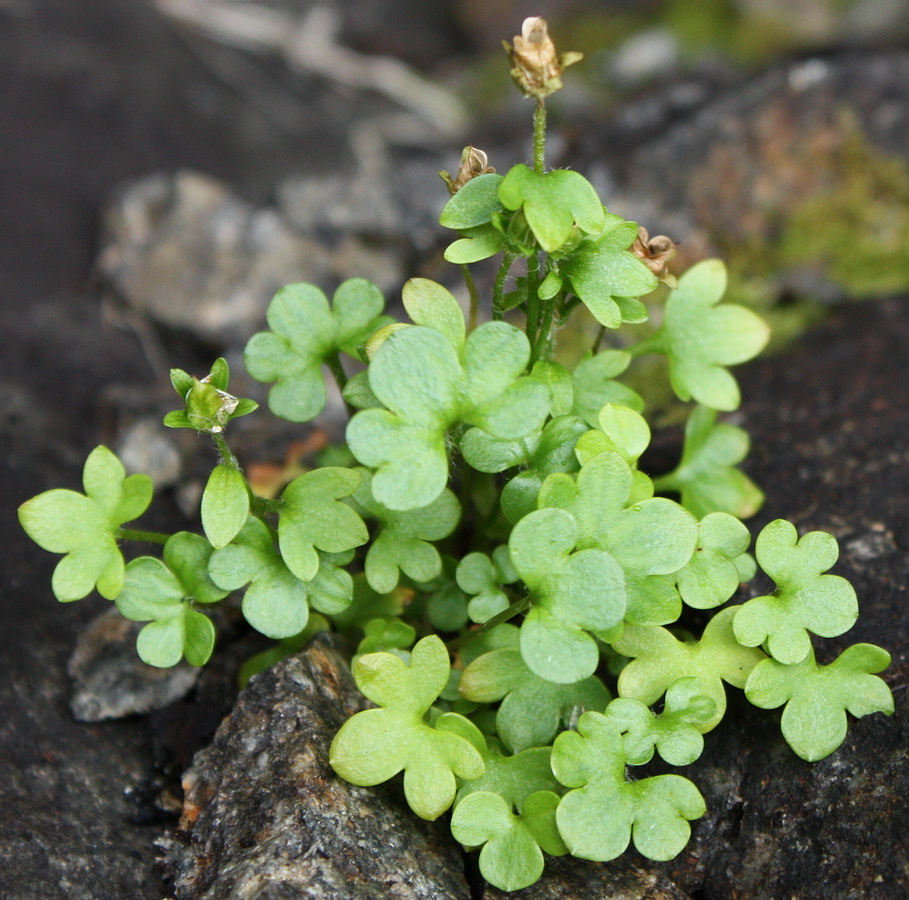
(653, 344)
(596, 344)
(515, 609)
(498, 287)
(333, 361)
(533, 302)
(227, 457)
(474, 297)
(539, 136)
(148, 537)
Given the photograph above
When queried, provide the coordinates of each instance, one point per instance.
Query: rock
(146, 446)
(799, 179)
(110, 679)
(266, 818)
(186, 253)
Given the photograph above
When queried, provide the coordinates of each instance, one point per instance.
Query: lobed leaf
(311, 519)
(658, 659)
(305, 332)
(603, 813)
(804, 601)
(573, 595)
(553, 203)
(707, 477)
(84, 527)
(602, 271)
(818, 697)
(532, 708)
(376, 744)
(700, 338)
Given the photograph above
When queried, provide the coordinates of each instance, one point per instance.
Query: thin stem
(474, 297)
(533, 301)
(333, 361)
(516, 608)
(596, 344)
(498, 288)
(227, 457)
(148, 537)
(539, 136)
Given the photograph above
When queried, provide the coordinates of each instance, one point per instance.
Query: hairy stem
(539, 136)
(227, 457)
(333, 361)
(533, 302)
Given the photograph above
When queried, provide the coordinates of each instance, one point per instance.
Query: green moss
(857, 234)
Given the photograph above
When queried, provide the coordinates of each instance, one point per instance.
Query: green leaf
(713, 574)
(225, 505)
(554, 452)
(483, 578)
(162, 593)
(675, 733)
(620, 429)
(573, 596)
(553, 203)
(659, 659)
(707, 477)
(594, 385)
(473, 204)
(85, 526)
(401, 542)
(532, 709)
(428, 303)
(376, 744)
(804, 601)
(311, 518)
(818, 697)
(428, 387)
(603, 812)
(304, 334)
(701, 338)
(476, 244)
(653, 537)
(276, 601)
(602, 270)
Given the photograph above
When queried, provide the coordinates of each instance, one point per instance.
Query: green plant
(495, 498)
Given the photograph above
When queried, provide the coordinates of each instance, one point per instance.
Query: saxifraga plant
(493, 546)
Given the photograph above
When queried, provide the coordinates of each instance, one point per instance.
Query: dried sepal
(536, 66)
(655, 252)
(474, 162)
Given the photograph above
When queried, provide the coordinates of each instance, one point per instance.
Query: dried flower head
(536, 67)
(473, 163)
(655, 252)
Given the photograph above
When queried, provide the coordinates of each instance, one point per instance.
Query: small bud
(473, 163)
(655, 252)
(536, 67)
(207, 408)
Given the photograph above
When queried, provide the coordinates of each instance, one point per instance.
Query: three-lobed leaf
(818, 697)
(701, 338)
(553, 203)
(805, 600)
(304, 334)
(602, 812)
(162, 593)
(376, 744)
(84, 527)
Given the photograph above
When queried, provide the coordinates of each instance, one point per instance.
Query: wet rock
(266, 818)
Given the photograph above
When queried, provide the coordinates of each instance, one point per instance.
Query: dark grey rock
(266, 818)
